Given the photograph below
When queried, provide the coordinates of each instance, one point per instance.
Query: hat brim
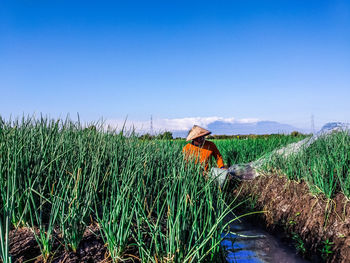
(189, 138)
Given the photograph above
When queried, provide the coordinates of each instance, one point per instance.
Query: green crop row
(324, 165)
(235, 151)
(148, 202)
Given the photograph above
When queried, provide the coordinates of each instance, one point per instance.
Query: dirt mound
(317, 225)
(24, 248)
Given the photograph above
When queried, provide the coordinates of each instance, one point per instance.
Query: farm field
(73, 194)
(87, 195)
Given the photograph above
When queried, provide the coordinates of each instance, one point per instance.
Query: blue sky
(266, 60)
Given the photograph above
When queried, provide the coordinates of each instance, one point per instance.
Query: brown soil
(24, 248)
(291, 208)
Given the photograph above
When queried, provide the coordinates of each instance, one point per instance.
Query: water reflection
(254, 245)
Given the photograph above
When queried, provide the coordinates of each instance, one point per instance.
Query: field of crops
(58, 178)
(250, 148)
(324, 165)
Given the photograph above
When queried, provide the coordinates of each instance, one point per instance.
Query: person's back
(200, 150)
(203, 154)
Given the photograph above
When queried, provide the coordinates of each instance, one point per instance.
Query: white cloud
(178, 124)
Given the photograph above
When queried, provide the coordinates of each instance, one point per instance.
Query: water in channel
(254, 245)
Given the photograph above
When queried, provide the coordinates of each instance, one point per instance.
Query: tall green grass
(248, 149)
(149, 203)
(324, 165)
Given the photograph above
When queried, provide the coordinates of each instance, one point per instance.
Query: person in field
(200, 150)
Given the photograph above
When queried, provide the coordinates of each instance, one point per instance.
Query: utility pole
(312, 124)
(151, 130)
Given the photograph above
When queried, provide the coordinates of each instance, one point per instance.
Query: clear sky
(267, 60)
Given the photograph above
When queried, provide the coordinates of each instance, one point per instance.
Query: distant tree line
(161, 136)
(169, 136)
(253, 136)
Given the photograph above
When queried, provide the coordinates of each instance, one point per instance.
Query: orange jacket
(203, 154)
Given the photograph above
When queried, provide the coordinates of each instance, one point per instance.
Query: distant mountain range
(235, 128)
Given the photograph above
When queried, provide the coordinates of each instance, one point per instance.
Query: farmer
(201, 150)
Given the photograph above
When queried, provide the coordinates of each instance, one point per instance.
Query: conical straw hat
(196, 132)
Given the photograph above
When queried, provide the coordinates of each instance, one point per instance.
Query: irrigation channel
(247, 242)
(253, 244)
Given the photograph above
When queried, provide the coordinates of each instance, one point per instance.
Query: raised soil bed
(319, 226)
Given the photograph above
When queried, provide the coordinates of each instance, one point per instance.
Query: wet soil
(316, 225)
(24, 248)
